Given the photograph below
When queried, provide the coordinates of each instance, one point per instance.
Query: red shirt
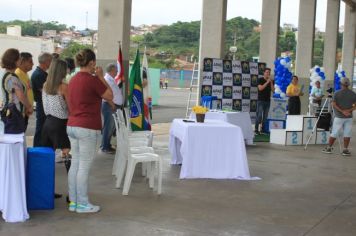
(85, 91)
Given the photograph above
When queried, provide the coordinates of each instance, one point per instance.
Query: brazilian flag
(136, 96)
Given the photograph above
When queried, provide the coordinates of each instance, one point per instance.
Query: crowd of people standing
(69, 105)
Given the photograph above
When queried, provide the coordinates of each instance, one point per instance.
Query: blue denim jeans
(108, 127)
(262, 114)
(83, 143)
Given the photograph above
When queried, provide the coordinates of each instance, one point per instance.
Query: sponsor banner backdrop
(233, 82)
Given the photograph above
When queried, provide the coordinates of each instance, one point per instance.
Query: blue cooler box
(40, 178)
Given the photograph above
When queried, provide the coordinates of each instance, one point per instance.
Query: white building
(35, 46)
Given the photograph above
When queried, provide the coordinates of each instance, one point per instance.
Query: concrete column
(348, 45)
(271, 11)
(212, 32)
(330, 41)
(305, 42)
(113, 26)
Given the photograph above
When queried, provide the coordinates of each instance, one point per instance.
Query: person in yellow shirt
(294, 91)
(25, 65)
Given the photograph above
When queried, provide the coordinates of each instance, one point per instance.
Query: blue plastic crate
(40, 178)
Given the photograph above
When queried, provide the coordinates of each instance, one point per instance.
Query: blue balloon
(343, 74)
(321, 74)
(317, 70)
(287, 59)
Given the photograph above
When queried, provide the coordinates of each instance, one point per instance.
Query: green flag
(136, 96)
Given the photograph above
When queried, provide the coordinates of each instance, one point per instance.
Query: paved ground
(301, 193)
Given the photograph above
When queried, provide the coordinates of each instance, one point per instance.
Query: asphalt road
(171, 104)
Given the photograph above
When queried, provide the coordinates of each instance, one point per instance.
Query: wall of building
(35, 46)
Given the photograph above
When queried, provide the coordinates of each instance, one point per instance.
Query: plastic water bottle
(2, 127)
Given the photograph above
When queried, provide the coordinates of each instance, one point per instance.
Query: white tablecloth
(12, 178)
(241, 119)
(213, 149)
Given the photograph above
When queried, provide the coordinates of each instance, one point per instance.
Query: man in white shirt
(108, 108)
(317, 93)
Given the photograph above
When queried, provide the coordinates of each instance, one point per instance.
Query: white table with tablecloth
(12, 178)
(213, 149)
(241, 119)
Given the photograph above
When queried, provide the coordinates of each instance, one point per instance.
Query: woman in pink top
(86, 91)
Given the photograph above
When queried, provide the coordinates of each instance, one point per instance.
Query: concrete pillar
(331, 35)
(271, 11)
(113, 26)
(305, 42)
(348, 45)
(212, 32)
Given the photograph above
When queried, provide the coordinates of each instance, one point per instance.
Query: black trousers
(294, 105)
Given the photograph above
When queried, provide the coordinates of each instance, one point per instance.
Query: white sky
(148, 11)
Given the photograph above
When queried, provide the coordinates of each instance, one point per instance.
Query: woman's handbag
(13, 119)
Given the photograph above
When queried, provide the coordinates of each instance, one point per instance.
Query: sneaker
(72, 206)
(346, 152)
(87, 208)
(109, 151)
(327, 150)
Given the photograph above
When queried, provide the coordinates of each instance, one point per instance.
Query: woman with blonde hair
(55, 97)
(86, 91)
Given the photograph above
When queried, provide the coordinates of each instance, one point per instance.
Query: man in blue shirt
(38, 78)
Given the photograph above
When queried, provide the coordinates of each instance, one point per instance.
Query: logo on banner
(236, 67)
(237, 80)
(236, 92)
(227, 66)
(207, 78)
(206, 90)
(217, 65)
(246, 80)
(246, 92)
(226, 103)
(227, 79)
(253, 68)
(227, 92)
(253, 105)
(253, 93)
(261, 68)
(217, 78)
(245, 67)
(236, 104)
(254, 80)
(217, 91)
(208, 64)
(245, 106)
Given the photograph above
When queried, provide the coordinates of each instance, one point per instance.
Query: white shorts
(344, 125)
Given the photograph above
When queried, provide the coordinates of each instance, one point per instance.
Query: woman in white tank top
(54, 96)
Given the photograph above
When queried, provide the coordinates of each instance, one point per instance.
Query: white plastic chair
(138, 134)
(144, 133)
(151, 159)
(138, 145)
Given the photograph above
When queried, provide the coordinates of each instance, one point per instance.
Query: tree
(72, 49)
